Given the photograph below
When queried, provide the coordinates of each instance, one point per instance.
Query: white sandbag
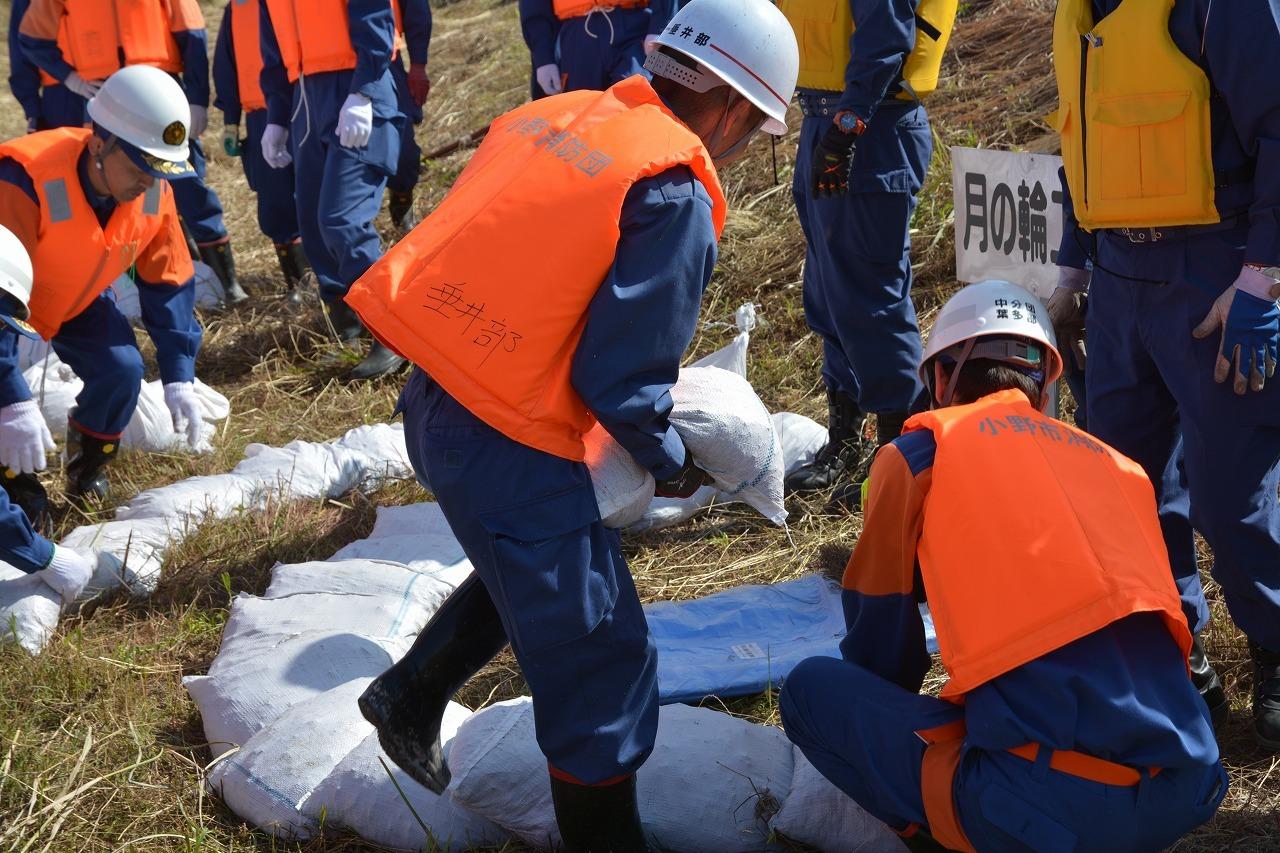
(733, 357)
(710, 785)
(54, 385)
(209, 293)
(819, 814)
(623, 489)
(417, 536)
(801, 438)
(268, 780)
(244, 692)
(394, 602)
(29, 609)
(136, 548)
(360, 796)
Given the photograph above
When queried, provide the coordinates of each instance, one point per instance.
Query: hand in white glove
(199, 121)
(1066, 312)
(183, 405)
(82, 87)
(24, 438)
(68, 573)
(355, 122)
(548, 77)
(275, 146)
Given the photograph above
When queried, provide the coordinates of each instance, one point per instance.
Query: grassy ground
(100, 747)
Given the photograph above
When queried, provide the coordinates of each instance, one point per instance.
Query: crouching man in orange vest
(559, 283)
(1069, 720)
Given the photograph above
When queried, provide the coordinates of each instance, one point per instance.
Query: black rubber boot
(27, 492)
(345, 322)
(842, 452)
(848, 495)
(1205, 678)
(379, 362)
(223, 264)
(294, 265)
(1266, 697)
(87, 459)
(400, 206)
(406, 703)
(599, 819)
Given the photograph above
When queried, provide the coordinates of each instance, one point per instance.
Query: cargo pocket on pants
(554, 567)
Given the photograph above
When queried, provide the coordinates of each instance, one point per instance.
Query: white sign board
(1008, 210)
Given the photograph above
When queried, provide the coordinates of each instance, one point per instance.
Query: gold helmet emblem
(175, 134)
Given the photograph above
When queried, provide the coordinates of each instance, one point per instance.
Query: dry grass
(100, 748)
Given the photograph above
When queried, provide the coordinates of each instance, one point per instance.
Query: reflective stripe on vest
(1133, 113)
(94, 30)
(75, 259)
(824, 27)
(248, 52)
(490, 293)
(566, 9)
(1035, 535)
(315, 36)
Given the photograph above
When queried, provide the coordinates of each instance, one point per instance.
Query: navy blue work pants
(531, 527)
(859, 731)
(857, 270)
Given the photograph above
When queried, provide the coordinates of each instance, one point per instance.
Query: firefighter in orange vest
(333, 110)
(82, 42)
(237, 64)
(1069, 720)
(558, 284)
(90, 204)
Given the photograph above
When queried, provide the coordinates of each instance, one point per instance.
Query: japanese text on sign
(488, 334)
(1008, 211)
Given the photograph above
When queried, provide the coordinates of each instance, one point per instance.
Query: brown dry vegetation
(100, 747)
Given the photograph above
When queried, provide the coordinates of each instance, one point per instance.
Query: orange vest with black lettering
(490, 293)
(315, 36)
(566, 9)
(75, 258)
(98, 31)
(248, 51)
(1035, 535)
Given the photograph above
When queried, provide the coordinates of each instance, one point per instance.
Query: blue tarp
(738, 642)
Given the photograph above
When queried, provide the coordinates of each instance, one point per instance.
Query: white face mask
(717, 136)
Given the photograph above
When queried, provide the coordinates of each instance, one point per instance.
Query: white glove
(548, 77)
(24, 438)
(183, 405)
(275, 146)
(650, 44)
(199, 121)
(355, 122)
(82, 87)
(68, 573)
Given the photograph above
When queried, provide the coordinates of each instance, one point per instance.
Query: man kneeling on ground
(1069, 720)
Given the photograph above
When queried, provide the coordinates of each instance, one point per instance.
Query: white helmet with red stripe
(747, 44)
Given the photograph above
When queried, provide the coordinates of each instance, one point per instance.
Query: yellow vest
(1133, 112)
(824, 27)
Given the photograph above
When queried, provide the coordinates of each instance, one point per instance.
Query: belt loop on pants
(937, 784)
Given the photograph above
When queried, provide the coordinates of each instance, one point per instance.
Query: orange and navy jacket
(47, 201)
(1120, 692)
(91, 36)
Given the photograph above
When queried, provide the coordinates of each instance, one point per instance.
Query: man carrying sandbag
(1069, 720)
(21, 546)
(89, 204)
(559, 283)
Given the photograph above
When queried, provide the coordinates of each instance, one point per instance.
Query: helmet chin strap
(108, 146)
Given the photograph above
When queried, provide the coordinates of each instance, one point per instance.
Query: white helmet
(147, 109)
(748, 44)
(993, 309)
(15, 282)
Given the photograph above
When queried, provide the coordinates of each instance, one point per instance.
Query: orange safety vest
(75, 258)
(566, 9)
(248, 51)
(315, 35)
(1035, 535)
(97, 32)
(490, 293)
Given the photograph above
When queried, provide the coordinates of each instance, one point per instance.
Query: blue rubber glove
(1250, 334)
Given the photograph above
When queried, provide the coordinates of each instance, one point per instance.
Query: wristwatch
(848, 122)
